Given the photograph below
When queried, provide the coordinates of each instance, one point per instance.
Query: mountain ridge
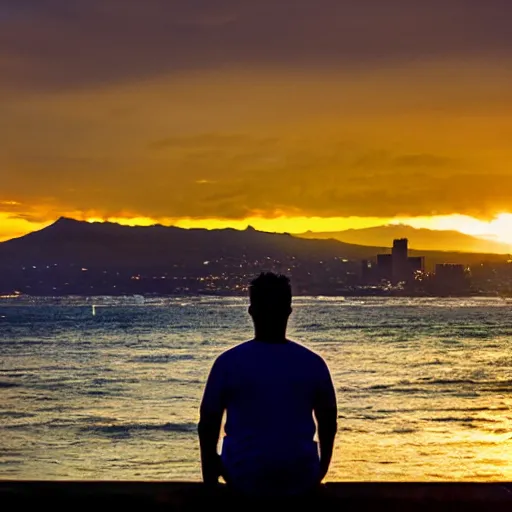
(72, 257)
(66, 230)
(420, 239)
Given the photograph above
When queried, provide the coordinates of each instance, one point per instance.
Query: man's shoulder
(252, 348)
(234, 352)
(306, 352)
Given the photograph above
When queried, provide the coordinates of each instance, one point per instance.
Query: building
(398, 266)
(451, 278)
(366, 271)
(416, 264)
(400, 261)
(450, 272)
(385, 267)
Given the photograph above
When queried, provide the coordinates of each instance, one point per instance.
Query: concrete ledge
(182, 496)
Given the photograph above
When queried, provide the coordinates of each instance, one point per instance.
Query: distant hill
(419, 239)
(73, 257)
(114, 245)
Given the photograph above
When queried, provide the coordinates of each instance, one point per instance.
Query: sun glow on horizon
(498, 229)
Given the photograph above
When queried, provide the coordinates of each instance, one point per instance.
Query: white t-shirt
(269, 392)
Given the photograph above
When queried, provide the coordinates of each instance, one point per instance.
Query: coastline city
(391, 273)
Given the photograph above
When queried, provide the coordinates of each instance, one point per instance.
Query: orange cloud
(231, 126)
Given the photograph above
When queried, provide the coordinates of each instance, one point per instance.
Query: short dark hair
(271, 291)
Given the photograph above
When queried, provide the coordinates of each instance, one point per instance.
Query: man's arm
(212, 409)
(209, 430)
(326, 414)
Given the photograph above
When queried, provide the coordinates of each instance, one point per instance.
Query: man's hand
(209, 428)
(212, 469)
(324, 466)
(326, 433)
(326, 414)
(211, 412)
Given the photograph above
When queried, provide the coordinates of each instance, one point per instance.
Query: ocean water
(424, 385)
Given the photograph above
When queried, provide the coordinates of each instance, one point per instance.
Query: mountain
(73, 257)
(114, 245)
(420, 239)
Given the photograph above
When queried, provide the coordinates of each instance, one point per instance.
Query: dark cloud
(423, 161)
(209, 141)
(235, 108)
(10, 206)
(58, 43)
(302, 181)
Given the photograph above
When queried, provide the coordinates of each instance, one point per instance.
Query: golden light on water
(210, 115)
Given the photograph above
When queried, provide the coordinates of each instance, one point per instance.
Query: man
(270, 387)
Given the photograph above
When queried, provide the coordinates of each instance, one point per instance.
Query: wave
(404, 430)
(392, 389)
(16, 414)
(53, 424)
(442, 409)
(454, 335)
(174, 380)
(447, 382)
(130, 428)
(49, 385)
(454, 419)
(315, 326)
(7, 385)
(103, 381)
(162, 358)
(389, 329)
(12, 343)
(497, 385)
(435, 362)
(20, 369)
(483, 385)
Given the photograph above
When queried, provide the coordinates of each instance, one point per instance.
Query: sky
(290, 116)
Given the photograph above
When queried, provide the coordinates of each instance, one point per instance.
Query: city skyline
(300, 116)
(420, 238)
(73, 257)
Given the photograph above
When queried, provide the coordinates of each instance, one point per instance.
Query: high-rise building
(416, 264)
(366, 271)
(385, 266)
(400, 262)
(451, 278)
(398, 266)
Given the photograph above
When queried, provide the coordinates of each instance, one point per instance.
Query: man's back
(269, 391)
(270, 388)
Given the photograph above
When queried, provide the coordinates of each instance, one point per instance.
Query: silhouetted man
(269, 387)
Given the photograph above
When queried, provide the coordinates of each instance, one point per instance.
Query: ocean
(424, 386)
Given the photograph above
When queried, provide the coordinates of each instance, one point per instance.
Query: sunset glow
(498, 229)
(367, 127)
(328, 179)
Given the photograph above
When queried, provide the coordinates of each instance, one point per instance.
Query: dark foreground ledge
(192, 496)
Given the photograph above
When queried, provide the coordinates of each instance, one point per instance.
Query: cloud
(241, 181)
(11, 206)
(423, 161)
(231, 109)
(60, 44)
(208, 141)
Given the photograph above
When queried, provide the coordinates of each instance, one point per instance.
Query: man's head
(271, 304)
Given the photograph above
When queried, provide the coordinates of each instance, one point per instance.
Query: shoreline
(141, 298)
(187, 495)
